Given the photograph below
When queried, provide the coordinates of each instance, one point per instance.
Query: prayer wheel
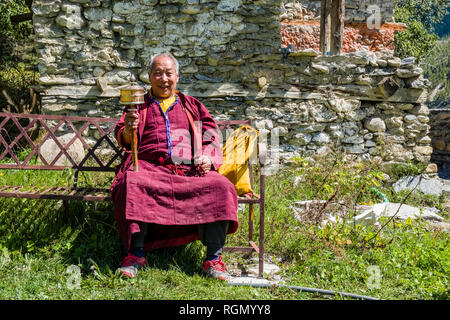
(133, 95)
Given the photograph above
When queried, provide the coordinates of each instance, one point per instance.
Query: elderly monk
(176, 196)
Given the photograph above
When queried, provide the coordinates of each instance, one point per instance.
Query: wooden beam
(21, 18)
(337, 26)
(325, 24)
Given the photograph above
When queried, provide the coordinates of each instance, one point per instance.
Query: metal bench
(20, 151)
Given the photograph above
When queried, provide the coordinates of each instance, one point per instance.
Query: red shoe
(131, 264)
(216, 269)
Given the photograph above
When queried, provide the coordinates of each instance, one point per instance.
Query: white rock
(306, 53)
(50, 150)
(229, 5)
(244, 281)
(410, 118)
(96, 14)
(125, 8)
(394, 62)
(269, 269)
(264, 124)
(321, 138)
(355, 139)
(373, 214)
(409, 73)
(46, 7)
(344, 105)
(355, 148)
(375, 125)
(320, 68)
(423, 150)
(303, 138)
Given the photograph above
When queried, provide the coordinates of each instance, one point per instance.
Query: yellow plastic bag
(239, 148)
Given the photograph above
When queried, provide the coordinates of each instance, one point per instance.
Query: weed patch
(77, 259)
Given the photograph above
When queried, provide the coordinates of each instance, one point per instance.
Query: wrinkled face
(163, 77)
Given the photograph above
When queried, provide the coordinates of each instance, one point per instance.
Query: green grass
(39, 250)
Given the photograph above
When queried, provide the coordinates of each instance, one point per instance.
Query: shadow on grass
(27, 224)
(39, 227)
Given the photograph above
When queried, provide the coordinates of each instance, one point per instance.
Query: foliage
(9, 8)
(428, 12)
(436, 67)
(18, 61)
(420, 16)
(16, 41)
(442, 29)
(15, 84)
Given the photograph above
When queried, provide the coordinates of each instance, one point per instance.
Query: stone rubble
(425, 184)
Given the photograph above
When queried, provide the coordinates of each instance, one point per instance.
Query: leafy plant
(14, 7)
(436, 67)
(420, 16)
(18, 61)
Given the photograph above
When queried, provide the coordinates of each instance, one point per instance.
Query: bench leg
(261, 226)
(250, 222)
(66, 210)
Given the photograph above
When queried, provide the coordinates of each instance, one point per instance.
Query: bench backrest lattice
(10, 146)
(101, 153)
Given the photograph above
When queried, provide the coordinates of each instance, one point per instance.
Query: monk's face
(163, 77)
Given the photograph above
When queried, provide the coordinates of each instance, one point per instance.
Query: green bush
(16, 82)
(420, 18)
(436, 67)
(18, 61)
(10, 8)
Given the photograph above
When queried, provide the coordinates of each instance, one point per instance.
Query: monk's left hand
(205, 163)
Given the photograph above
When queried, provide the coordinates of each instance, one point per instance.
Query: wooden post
(337, 26)
(66, 210)
(325, 24)
(29, 3)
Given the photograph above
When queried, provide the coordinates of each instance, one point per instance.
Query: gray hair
(165, 54)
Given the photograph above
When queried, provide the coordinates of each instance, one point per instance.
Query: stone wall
(214, 41)
(440, 135)
(368, 104)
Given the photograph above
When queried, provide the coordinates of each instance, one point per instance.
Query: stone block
(440, 145)
(49, 150)
(375, 125)
(71, 17)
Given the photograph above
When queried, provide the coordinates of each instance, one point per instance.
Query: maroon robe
(172, 204)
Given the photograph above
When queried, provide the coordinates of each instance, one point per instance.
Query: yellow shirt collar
(165, 103)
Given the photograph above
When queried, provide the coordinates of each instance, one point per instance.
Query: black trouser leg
(213, 236)
(138, 240)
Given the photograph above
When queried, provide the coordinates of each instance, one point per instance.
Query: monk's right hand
(131, 121)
